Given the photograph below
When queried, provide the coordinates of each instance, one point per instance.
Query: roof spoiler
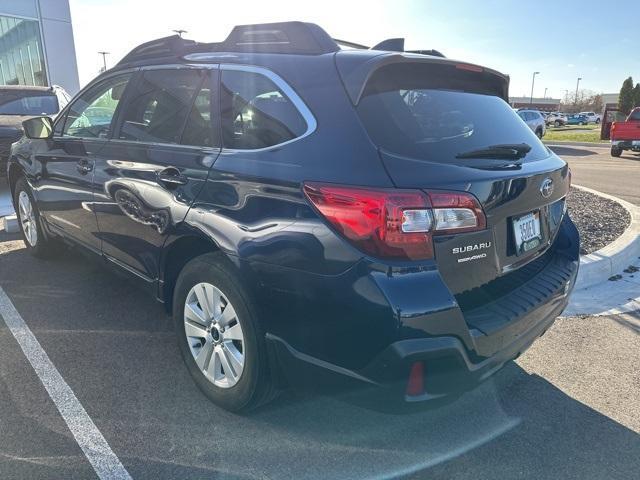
(356, 73)
(283, 37)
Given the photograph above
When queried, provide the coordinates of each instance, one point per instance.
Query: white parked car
(556, 119)
(592, 117)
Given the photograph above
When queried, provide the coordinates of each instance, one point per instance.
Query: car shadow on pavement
(116, 349)
(630, 321)
(571, 152)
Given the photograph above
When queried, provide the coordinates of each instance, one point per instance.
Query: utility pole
(179, 31)
(104, 60)
(533, 82)
(577, 84)
(545, 93)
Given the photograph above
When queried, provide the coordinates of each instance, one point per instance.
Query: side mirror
(38, 127)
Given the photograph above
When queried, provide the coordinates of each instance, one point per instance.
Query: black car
(17, 103)
(310, 214)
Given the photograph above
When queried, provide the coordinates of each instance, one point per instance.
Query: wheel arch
(177, 252)
(15, 172)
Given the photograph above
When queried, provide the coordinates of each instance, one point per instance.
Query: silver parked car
(557, 119)
(535, 121)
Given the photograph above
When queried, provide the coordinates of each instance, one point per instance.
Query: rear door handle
(84, 166)
(171, 177)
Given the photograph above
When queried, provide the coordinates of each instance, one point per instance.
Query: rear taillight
(392, 223)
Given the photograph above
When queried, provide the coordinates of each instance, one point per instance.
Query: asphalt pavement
(568, 408)
(594, 167)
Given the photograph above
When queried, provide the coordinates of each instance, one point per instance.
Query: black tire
(45, 246)
(616, 151)
(254, 386)
(597, 121)
(557, 123)
(539, 133)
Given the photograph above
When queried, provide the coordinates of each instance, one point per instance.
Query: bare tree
(586, 100)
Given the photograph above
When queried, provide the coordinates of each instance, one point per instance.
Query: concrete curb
(560, 143)
(9, 224)
(615, 257)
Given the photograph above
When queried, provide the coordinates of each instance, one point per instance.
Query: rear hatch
(446, 126)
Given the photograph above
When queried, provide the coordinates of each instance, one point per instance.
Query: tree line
(584, 101)
(629, 96)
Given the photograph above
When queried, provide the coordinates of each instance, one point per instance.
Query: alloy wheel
(214, 335)
(28, 218)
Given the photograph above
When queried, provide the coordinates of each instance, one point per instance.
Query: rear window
(408, 113)
(255, 113)
(20, 104)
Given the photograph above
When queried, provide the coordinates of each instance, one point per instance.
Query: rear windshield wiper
(505, 150)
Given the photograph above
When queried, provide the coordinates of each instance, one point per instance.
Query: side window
(199, 130)
(90, 116)
(255, 113)
(165, 103)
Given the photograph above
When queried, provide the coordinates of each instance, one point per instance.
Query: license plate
(526, 231)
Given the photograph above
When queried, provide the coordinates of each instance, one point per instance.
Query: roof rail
(300, 38)
(389, 45)
(349, 44)
(432, 52)
(284, 37)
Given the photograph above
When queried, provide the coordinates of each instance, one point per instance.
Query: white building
(36, 44)
(610, 99)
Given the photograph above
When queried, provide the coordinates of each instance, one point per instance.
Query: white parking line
(93, 444)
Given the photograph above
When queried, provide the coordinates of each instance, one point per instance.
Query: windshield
(437, 124)
(635, 115)
(13, 104)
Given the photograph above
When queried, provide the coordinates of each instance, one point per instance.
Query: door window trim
(288, 91)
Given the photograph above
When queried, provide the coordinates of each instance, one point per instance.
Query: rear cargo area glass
(435, 112)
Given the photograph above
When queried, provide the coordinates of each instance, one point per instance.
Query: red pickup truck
(626, 135)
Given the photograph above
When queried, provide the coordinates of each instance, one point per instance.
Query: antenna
(104, 59)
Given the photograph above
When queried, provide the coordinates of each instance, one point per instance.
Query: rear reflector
(393, 223)
(415, 385)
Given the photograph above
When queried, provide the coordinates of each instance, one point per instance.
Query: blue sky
(563, 40)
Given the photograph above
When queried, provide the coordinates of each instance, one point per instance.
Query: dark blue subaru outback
(310, 212)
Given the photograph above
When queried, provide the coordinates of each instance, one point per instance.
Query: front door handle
(171, 177)
(84, 166)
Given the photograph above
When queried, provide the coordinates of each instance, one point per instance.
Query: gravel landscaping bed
(599, 220)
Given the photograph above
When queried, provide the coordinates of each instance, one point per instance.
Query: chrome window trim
(289, 92)
(161, 144)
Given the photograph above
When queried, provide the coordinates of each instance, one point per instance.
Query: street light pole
(104, 59)
(533, 82)
(577, 84)
(545, 93)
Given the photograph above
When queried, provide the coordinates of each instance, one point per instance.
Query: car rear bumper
(457, 347)
(450, 366)
(627, 144)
